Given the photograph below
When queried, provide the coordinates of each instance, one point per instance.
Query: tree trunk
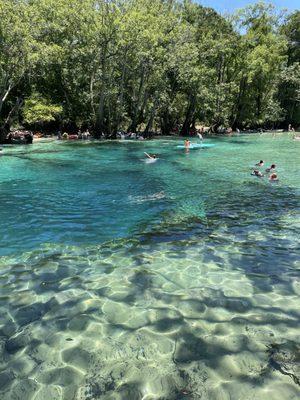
(166, 123)
(239, 104)
(134, 122)
(100, 126)
(185, 130)
(92, 95)
(3, 134)
(258, 105)
(152, 115)
(4, 97)
(119, 107)
(5, 128)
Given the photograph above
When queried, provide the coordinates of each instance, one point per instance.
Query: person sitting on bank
(271, 169)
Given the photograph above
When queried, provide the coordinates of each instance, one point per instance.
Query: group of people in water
(81, 135)
(271, 170)
(255, 172)
(187, 145)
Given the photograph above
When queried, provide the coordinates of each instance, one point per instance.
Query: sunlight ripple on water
(172, 280)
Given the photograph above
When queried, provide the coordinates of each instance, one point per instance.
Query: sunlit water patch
(172, 280)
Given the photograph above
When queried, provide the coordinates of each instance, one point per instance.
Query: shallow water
(121, 279)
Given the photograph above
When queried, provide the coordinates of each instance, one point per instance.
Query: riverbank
(54, 137)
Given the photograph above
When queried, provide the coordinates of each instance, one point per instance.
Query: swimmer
(187, 143)
(257, 173)
(151, 156)
(273, 177)
(271, 169)
(260, 164)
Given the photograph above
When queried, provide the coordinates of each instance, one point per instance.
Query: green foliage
(289, 87)
(38, 110)
(147, 64)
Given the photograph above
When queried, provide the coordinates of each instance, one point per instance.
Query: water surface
(177, 279)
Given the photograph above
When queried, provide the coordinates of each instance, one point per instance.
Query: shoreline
(54, 138)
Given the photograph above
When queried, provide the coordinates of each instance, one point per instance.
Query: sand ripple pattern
(149, 319)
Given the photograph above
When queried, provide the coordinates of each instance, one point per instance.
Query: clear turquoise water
(177, 279)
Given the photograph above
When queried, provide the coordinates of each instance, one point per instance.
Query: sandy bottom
(134, 320)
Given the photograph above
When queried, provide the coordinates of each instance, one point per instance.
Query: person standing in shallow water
(187, 144)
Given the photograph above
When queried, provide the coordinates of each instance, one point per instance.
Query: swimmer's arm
(148, 155)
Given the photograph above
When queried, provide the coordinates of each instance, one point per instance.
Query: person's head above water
(273, 177)
(273, 166)
(256, 172)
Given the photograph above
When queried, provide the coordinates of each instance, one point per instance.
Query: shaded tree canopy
(161, 65)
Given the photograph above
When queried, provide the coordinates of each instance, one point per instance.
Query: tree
(38, 110)
(264, 55)
(138, 64)
(17, 58)
(289, 89)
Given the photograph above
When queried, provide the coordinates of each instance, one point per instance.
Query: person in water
(260, 164)
(271, 169)
(257, 173)
(151, 156)
(187, 143)
(273, 177)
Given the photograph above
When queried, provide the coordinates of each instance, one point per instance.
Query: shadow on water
(251, 221)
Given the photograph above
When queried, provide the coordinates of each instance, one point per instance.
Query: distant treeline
(161, 65)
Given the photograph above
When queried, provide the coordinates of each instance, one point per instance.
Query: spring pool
(121, 279)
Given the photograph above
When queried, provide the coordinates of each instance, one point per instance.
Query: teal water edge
(174, 279)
